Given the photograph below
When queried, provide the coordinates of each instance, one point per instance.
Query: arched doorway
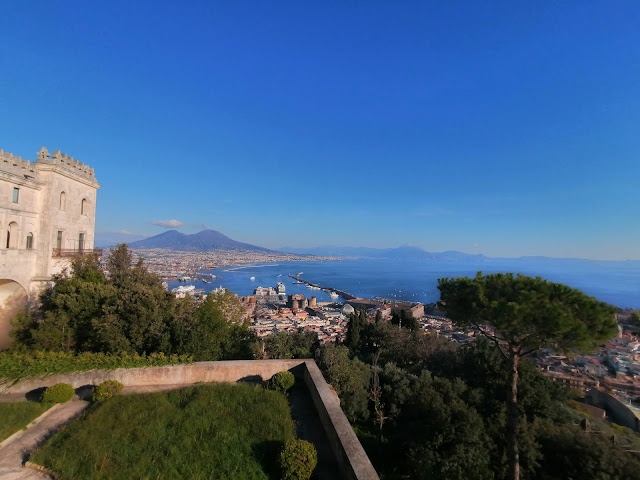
(13, 298)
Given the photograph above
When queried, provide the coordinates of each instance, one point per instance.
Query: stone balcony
(65, 253)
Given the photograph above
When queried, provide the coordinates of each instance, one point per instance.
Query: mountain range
(207, 240)
(412, 253)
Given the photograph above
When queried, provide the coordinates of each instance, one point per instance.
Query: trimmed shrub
(281, 381)
(106, 390)
(298, 460)
(58, 393)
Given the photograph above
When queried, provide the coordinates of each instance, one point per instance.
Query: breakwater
(342, 293)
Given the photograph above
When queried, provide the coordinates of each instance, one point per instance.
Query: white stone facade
(47, 214)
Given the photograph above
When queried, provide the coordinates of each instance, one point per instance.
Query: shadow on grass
(268, 455)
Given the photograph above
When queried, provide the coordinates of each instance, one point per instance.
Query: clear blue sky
(504, 128)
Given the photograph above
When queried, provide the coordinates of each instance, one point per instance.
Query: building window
(81, 241)
(83, 207)
(29, 241)
(16, 194)
(12, 235)
(63, 201)
(59, 240)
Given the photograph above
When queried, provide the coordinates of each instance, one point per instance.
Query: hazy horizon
(107, 239)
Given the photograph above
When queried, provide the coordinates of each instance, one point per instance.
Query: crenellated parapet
(13, 164)
(66, 162)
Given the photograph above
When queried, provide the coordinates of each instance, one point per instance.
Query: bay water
(616, 283)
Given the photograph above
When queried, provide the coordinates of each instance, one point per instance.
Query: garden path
(17, 450)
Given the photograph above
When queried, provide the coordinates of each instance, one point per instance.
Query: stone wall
(226, 371)
(617, 411)
(351, 457)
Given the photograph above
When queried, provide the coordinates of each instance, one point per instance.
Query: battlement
(65, 161)
(10, 163)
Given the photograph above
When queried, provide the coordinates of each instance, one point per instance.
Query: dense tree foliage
(521, 315)
(405, 319)
(129, 311)
(301, 344)
(430, 410)
(349, 376)
(357, 323)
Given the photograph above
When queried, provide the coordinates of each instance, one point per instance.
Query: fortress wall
(351, 458)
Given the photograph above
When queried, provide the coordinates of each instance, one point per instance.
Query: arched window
(12, 235)
(83, 207)
(29, 241)
(63, 201)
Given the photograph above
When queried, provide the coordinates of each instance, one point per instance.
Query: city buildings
(47, 215)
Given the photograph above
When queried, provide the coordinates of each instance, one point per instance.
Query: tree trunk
(512, 420)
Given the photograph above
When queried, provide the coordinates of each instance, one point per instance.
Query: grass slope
(15, 416)
(217, 431)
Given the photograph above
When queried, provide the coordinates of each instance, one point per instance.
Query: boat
(206, 281)
(252, 278)
(333, 295)
(184, 289)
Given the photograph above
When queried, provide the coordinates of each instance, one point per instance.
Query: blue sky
(504, 128)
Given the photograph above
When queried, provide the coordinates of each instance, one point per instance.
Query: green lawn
(219, 431)
(15, 416)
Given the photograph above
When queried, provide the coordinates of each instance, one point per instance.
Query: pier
(343, 294)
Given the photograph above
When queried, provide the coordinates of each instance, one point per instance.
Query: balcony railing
(60, 252)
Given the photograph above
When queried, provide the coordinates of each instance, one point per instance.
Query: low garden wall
(351, 457)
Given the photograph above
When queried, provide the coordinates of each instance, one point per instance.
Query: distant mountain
(197, 242)
(399, 253)
(409, 253)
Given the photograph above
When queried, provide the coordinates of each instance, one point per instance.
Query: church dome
(348, 309)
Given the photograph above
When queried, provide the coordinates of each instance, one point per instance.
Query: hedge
(16, 366)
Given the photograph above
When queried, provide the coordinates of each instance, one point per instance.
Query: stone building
(47, 215)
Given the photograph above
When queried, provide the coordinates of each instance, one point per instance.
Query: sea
(616, 283)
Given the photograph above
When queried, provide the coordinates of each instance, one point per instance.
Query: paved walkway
(17, 451)
(22, 474)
